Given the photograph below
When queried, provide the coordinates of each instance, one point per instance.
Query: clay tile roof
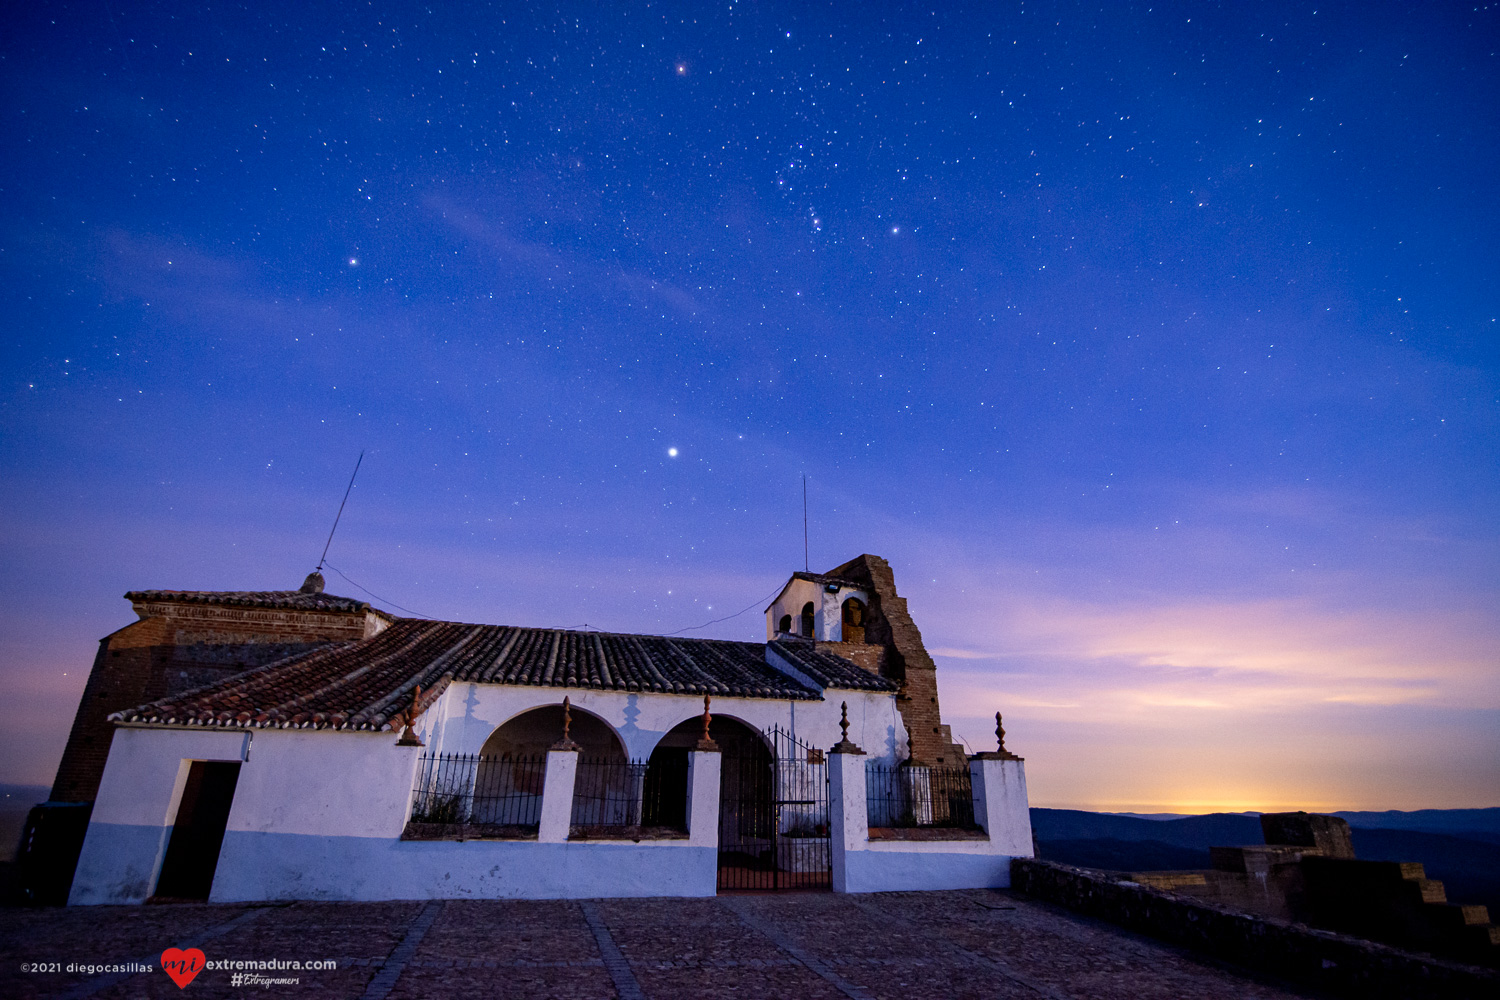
(295, 600)
(368, 684)
(828, 670)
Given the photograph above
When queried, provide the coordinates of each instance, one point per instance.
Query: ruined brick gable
(186, 640)
(906, 660)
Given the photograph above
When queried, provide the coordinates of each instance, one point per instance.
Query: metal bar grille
(906, 795)
(613, 796)
(479, 795)
(773, 817)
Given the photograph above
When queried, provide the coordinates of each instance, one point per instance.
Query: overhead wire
(377, 597)
(694, 628)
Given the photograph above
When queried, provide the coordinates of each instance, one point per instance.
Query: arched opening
(808, 620)
(535, 731)
(785, 625)
(666, 784)
(854, 620)
(747, 794)
(512, 764)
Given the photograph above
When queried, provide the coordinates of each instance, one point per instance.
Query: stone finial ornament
(409, 735)
(844, 745)
(999, 753)
(566, 743)
(706, 742)
(313, 584)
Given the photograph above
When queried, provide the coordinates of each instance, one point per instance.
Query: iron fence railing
(495, 794)
(612, 795)
(917, 795)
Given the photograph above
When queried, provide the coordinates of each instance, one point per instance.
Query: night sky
(1154, 345)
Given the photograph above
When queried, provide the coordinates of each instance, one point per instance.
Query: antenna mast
(324, 556)
(805, 561)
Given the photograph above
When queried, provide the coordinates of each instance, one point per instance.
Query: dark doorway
(773, 811)
(187, 872)
(664, 791)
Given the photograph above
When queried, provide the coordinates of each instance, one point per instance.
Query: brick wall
(905, 661)
(175, 648)
(865, 654)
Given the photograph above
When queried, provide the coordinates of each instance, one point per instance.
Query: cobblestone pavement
(810, 946)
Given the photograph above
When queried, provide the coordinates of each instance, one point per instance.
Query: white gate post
(1000, 805)
(703, 797)
(848, 823)
(557, 796)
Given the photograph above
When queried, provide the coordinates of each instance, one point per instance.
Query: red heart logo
(182, 966)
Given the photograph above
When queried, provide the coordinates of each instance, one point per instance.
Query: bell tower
(853, 611)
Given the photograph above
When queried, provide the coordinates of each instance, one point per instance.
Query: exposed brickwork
(868, 655)
(187, 643)
(906, 660)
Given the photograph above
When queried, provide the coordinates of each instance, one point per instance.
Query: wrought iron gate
(773, 815)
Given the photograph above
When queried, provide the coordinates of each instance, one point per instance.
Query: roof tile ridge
(606, 679)
(634, 673)
(417, 638)
(662, 682)
(743, 676)
(526, 643)
(551, 670)
(566, 668)
(487, 674)
(812, 669)
(784, 650)
(707, 679)
(423, 676)
(480, 657)
(849, 672)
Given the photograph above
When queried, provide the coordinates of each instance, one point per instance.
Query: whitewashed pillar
(1000, 803)
(848, 821)
(557, 795)
(703, 796)
(557, 786)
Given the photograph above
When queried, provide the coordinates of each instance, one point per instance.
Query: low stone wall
(1318, 958)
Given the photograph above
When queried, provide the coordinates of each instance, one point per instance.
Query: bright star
(672, 452)
(353, 261)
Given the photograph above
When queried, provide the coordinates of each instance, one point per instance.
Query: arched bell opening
(854, 620)
(809, 619)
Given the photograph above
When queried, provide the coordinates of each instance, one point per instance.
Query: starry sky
(1155, 345)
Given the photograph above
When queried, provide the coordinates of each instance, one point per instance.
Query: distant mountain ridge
(1481, 824)
(1458, 847)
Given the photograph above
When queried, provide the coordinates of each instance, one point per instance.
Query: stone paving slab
(810, 946)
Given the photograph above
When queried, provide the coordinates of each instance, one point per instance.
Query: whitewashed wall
(467, 714)
(136, 806)
(828, 609)
(864, 865)
(319, 814)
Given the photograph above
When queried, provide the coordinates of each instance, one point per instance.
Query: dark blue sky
(1155, 345)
